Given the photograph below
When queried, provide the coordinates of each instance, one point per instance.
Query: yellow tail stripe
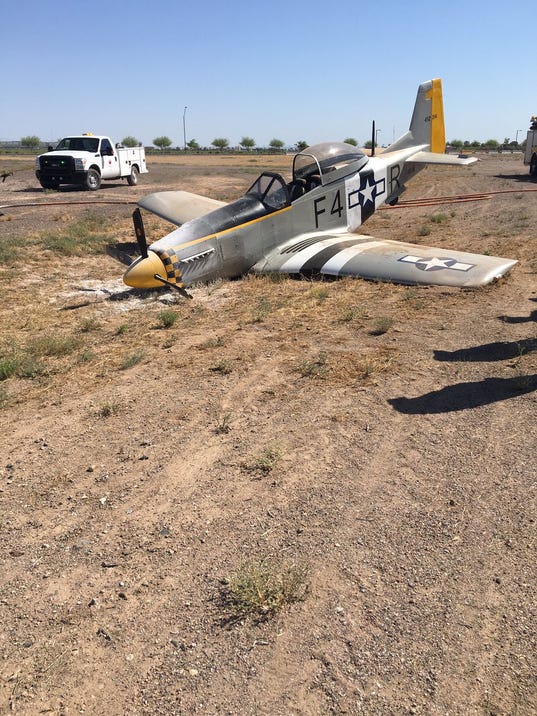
(438, 132)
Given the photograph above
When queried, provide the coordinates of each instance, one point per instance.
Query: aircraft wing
(178, 207)
(346, 254)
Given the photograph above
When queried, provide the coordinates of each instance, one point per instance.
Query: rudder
(427, 123)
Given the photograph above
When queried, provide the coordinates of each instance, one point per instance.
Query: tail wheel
(93, 180)
(133, 177)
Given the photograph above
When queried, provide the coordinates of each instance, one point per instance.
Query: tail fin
(427, 124)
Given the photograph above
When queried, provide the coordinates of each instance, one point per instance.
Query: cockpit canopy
(315, 166)
(271, 190)
(327, 161)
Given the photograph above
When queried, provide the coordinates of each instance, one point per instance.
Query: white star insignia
(435, 263)
(367, 191)
(425, 264)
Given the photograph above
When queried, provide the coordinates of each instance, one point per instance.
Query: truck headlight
(79, 164)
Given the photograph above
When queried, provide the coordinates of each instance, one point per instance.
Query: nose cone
(141, 273)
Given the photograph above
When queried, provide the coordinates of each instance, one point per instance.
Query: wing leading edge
(345, 254)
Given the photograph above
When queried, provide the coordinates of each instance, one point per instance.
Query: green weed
(352, 313)
(53, 345)
(89, 324)
(317, 368)
(262, 589)
(217, 342)
(10, 250)
(261, 310)
(381, 325)
(8, 367)
(224, 367)
(268, 459)
(132, 359)
(320, 293)
(85, 237)
(439, 218)
(223, 425)
(107, 409)
(168, 318)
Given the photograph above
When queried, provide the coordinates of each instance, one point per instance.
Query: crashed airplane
(308, 226)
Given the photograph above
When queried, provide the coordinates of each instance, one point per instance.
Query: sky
(295, 71)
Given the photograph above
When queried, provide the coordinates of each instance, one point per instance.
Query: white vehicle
(530, 155)
(86, 160)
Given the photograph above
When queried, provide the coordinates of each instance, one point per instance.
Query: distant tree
(192, 144)
(247, 143)
(491, 144)
(457, 143)
(351, 140)
(130, 142)
(30, 142)
(220, 143)
(276, 144)
(301, 145)
(162, 142)
(369, 144)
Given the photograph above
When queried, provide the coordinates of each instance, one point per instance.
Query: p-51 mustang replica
(307, 226)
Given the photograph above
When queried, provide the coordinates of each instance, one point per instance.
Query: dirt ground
(377, 439)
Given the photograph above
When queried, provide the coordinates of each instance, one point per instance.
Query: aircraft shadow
(523, 178)
(463, 396)
(490, 351)
(521, 319)
(126, 295)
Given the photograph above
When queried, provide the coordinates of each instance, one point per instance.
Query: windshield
(79, 144)
(271, 190)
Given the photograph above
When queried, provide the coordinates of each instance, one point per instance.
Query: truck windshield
(79, 144)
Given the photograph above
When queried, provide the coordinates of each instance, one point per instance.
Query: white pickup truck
(87, 159)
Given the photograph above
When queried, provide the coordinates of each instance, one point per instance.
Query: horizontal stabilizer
(178, 207)
(346, 254)
(434, 158)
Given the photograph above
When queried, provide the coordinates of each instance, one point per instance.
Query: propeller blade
(140, 232)
(177, 286)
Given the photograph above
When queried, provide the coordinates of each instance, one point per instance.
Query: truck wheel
(93, 180)
(133, 177)
(533, 165)
(49, 184)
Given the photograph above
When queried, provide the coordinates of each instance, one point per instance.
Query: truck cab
(86, 160)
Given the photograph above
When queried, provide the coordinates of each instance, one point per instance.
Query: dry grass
(262, 589)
